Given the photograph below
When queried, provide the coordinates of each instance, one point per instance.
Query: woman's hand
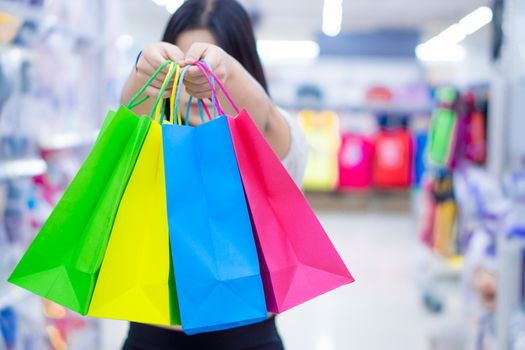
(151, 58)
(220, 62)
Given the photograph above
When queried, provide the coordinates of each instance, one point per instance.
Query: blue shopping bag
(214, 256)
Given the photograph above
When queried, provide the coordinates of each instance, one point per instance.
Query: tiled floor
(381, 310)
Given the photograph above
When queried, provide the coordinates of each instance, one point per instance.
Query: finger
(195, 74)
(199, 94)
(201, 86)
(148, 69)
(154, 92)
(172, 52)
(194, 92)
(157, 83)
(157, 55)
(195, 52)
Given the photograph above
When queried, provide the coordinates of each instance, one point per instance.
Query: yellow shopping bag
(136, 281)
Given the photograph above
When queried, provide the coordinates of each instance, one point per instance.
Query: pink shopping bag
(355, 162)
(298, 261)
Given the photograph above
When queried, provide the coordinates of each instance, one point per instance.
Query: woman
(219, 31)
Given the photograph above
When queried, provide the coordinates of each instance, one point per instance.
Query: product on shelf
(444, 229)
(355, 162)
(421, 140)
(9, 26)
(322, 132)
(393, 159)
(443, 137)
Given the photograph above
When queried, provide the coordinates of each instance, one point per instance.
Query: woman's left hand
(220, 62)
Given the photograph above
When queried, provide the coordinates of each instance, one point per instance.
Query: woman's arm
(244, 90)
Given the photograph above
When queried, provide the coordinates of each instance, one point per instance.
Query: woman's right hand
(151, 58)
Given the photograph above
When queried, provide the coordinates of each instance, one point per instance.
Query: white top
(295, 160)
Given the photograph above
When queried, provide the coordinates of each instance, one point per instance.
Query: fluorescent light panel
(170, 5)
(476, 20)
(444, 46)
(287, 49)
(332, 17)
(440, 53)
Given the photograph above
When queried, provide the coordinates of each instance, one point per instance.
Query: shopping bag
(322, 133)
(355, 162)
(443, 137)
(421, 140)
(214, 256)
(136, 281)
(63, 261)
(427, 213)
(476, 138)
(445, 230)
(393, 159)
(298, 261)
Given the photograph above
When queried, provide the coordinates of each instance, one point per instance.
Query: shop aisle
(381, 310)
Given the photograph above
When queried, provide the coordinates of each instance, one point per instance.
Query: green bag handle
(133, 102)
(173, 70)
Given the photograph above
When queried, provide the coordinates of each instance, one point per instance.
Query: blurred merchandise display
(47, 120)
(393, 158)
(322, 132)
(355, 162)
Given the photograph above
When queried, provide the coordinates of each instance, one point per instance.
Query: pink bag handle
(205, 66)
(214, 92)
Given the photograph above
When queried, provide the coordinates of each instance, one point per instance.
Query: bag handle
(172, 97)
(204, 65)
(160, 109)
(179, 89)
(133, 102)
(202, 109)
(216, 104)
(169, 76)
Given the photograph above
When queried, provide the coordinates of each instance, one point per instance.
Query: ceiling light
(432, 52)
(332, 17)
(287, 49)
(444, 46)
(476, 20)
(452, 35)
(173, 5)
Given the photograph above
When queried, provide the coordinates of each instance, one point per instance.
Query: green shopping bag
(63, 261)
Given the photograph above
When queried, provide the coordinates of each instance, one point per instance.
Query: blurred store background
(414, 114)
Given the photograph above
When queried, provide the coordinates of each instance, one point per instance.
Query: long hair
(230, 25)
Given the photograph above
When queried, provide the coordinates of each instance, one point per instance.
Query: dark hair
(230, 25)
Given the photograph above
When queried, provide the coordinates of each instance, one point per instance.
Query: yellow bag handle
(160, 106)
(172, 99)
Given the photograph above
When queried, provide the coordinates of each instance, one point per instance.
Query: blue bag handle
(199, 101)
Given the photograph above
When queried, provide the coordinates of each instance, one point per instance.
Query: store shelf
(20, 168)
(68, 140)
(391, 109)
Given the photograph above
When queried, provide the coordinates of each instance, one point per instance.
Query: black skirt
(258, 336)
